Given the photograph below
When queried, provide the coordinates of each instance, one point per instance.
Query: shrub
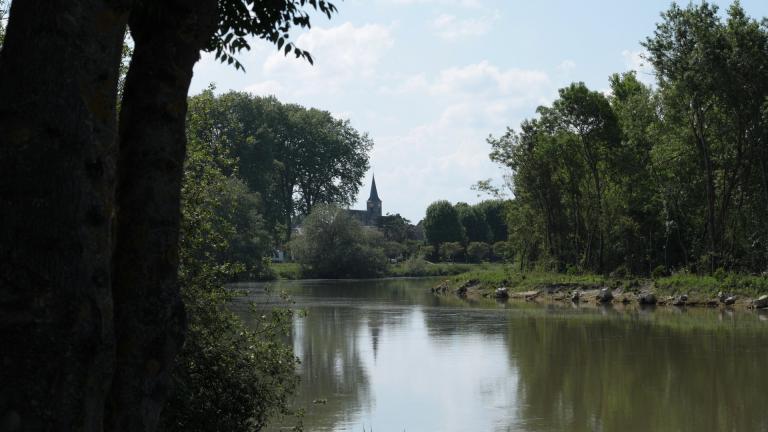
(334, 245)
(478, 251)
(426, 251)
(414, 267)
(659, 272)
(620, 272)
(228, 376)
(573, 270)
(394, 250)
(449, 251)
(417, 267)
(720, 274)
(503, 250)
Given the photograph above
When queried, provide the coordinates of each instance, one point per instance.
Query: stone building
(371, 215)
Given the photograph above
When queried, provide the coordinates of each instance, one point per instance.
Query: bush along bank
(732, 290)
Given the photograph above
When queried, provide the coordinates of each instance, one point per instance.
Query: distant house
(371, 215)
(278, 256)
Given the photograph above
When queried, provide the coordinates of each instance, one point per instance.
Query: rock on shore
(605, 295)
(761, 302)
(647, 299)
(640, 295)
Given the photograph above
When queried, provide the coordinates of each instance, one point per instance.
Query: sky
(431, 80)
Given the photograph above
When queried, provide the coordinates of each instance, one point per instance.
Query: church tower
(374, 205)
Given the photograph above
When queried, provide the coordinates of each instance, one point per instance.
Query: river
(389, 356)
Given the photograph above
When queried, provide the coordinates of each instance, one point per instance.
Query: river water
(389, 356)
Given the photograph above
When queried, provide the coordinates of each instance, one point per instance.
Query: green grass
(492, 276)
(286, 270)
(501, 275)
(422, 268)
(734, 283)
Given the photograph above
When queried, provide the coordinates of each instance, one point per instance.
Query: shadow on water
(389, 355)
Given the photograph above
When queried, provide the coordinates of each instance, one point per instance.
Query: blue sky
(429, 80)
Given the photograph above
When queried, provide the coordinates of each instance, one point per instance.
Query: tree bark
(149, 314)
(58, 82)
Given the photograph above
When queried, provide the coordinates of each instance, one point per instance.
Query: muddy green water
(388, 356)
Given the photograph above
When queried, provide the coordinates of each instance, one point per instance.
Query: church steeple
(374, 193)
(374, 205)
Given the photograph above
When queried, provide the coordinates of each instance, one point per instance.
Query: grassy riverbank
(485, 278)
(484, 281)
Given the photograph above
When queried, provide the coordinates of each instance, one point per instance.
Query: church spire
(374, 193)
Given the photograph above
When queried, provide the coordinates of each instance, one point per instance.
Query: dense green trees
(333, 244)
(452, 230)
(442, 224)
(495, 213)
(478, 251)
(712, 79)
(293, 157)
(450, 251)
(228, 375)
(474, 223)
(642, 177)
(222, 219)
(242, 152)
(396, 228)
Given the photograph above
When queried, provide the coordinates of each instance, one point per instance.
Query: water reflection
(631, 374)
(390, 356)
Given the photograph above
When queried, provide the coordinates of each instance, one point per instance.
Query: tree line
(229, 374)
(276, 163)
(643, 178)
(292, 157)
(466, 232)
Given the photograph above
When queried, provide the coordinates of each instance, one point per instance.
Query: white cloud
(448, 154)
(450, 28)
(430, 128)
(463, 3)
(478, 80)
(436, 160)
(341, 54)
(411, 84)
(484, 77)
(265, 88)
(343, 115)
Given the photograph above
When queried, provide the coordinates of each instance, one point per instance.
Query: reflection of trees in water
(578, 370)
(442, 324)
(388, 292)
(336, 344)
(332, 367)
(627, 374)
(486, 317)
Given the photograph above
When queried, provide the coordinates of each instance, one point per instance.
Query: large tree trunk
(149, 314)
(58, 84)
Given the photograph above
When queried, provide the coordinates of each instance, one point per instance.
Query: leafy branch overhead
(270, 20)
